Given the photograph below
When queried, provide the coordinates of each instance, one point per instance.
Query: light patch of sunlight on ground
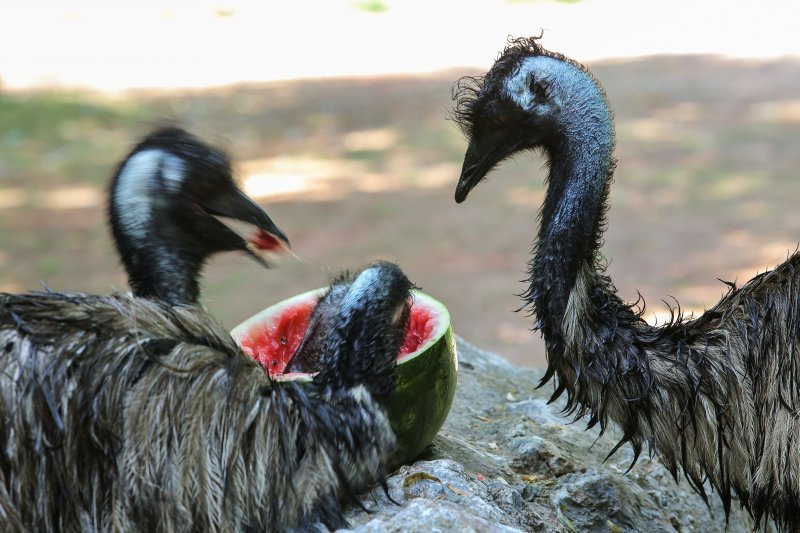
(781, 249)
(70, 198)
(661, 316)
(10, 286)
(651, 130)
(10, 198)
(328, 179)
(699, 297)
(694, 299)
(230, 41)
(740, 238)
(63, 198)
(763, 255)
(780, 111)
(374, 140)
(372, 182)
(310, 178)
(773, 252)
(281, 176)
(438, 176)
(682, 112)
(642, 200)
(523, 197)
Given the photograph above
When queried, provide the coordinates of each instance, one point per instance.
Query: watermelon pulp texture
(274, 342)
(425, 377)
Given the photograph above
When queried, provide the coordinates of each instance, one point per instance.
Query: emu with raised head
(127, 413)
(717, 395)
(165, 202)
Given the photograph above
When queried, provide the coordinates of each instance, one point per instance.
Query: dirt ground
(360, 169)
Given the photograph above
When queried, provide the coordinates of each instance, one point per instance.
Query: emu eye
(539, 90)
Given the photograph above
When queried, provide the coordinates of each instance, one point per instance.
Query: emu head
(166, 200)
(357, 330)
(531, 98)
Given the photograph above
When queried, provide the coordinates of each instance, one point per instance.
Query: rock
(602, 501)
(535, 454)
(507, 461)
(425, 515)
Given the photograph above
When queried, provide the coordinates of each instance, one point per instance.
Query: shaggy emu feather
(121, 413)
(126, 413)
(718, 395)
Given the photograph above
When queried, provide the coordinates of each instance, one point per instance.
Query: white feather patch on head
(135, 187)
(364, 286)
(174, 170)
(518, 85)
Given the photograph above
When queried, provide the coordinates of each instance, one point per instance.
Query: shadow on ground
(359, 169)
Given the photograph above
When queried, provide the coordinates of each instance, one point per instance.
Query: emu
(165, 200)
(134, 413)
(718, 395)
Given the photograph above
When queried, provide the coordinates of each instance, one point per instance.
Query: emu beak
(479, 159)
(470, 173)
(237, 205)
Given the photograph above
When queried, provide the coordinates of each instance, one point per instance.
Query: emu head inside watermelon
(425, 376)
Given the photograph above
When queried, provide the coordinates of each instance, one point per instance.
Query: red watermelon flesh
(273, 342)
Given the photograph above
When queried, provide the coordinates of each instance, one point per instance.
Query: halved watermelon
(426, 365)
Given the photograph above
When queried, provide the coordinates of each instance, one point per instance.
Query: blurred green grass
(62, 137)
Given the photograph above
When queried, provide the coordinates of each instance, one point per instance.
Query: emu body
(139, 412)
(124, 414)
(717, 396)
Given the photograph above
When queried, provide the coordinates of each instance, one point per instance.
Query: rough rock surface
(507, 461)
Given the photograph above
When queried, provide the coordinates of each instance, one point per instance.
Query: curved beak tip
(281, 236)
(465, 184)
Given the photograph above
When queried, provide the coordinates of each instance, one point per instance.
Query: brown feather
(717, 396)
(124, 414)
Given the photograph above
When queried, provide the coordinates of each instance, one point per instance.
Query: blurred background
(335, 111)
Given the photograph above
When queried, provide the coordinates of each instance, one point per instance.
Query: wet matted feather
(715, 396)
(127, 414)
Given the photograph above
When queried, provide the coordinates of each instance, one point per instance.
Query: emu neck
(173, 283)
(159, 272)
(571, 221)
(161, 260)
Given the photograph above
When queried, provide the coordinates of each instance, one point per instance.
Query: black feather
(716, 396)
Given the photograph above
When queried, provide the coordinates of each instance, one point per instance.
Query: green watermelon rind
(425, 386)
(425, 380)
